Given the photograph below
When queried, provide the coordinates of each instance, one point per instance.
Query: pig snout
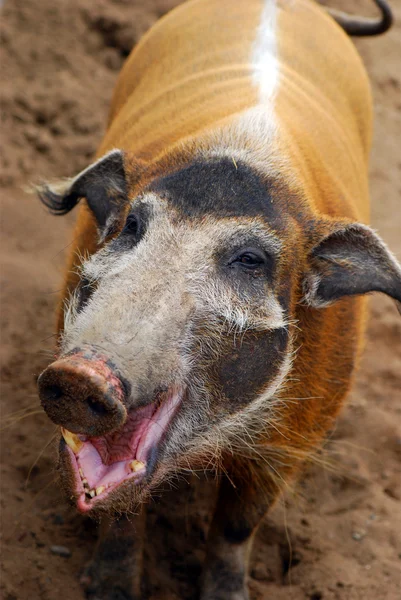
(82, 395)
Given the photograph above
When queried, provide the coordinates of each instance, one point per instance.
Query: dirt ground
(336, 537)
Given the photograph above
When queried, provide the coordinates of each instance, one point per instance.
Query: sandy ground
(337, 536)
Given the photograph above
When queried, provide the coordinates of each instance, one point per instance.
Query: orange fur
(183, 89)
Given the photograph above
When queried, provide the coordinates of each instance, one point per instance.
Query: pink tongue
(122, 445)
(106, 460)
(96, 473)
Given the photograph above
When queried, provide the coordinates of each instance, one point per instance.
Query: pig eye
(248, 259)
(131, 226)
(134, 228)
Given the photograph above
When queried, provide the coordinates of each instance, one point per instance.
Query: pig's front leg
(238, 513)
(115, 570)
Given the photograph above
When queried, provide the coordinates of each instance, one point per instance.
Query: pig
(214, 301)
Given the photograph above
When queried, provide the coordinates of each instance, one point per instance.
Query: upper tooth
(72, 440)
(136, 465)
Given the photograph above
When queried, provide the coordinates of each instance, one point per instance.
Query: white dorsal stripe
(264, 55)
(253, 133)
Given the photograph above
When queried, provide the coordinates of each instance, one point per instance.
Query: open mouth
(102, 464)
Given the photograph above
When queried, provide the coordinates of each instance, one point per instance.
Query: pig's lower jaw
(100, 465)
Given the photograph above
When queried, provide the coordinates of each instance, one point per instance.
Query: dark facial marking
(246, 370)
(220, 188)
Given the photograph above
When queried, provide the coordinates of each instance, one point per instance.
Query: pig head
(180, 338)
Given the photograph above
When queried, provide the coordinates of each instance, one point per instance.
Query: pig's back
(190, 71)
(197, 70)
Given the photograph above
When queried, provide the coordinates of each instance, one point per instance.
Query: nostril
(82, 395)
(96, 407)
(51, 392)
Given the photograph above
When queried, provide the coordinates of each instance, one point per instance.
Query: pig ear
(103, 184)
(350, 260)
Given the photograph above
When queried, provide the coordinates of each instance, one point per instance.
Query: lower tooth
(91, 493)
(136, 465)
(100, 490)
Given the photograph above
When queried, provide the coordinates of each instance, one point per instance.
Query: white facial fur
(149, 300)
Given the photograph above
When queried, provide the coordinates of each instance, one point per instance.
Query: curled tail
(361, 26)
